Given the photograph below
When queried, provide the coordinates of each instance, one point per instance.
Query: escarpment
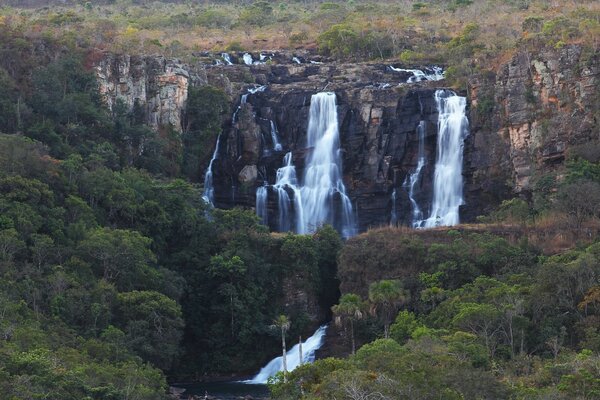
(523, 119)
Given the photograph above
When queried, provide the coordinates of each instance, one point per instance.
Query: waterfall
(262, 194)
(248, 59)
(434, 73)
(275, 137)
(209, 190)
(413, 178)
(287, 180)
(309, 347)
(453, 127)
(296, 60)
(227, 59)
(323, 171)
(394, 216)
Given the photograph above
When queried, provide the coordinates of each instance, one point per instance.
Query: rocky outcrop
(154, 85)
(538, 105)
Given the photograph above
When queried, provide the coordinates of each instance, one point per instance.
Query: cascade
(394, 216)
(262, 194)
(248, 59)
(323, 172)
(412, 179)
(434, 73)
(275, 137)
(309, 347)
(227, 58)
(209, 190)
(296, 60)
(453, 127)
(287, 180)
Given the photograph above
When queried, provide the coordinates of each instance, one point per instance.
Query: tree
(580, 201)
(282, 323)
(385, 297)
(350, 309)
(153, 324)
(119, 256)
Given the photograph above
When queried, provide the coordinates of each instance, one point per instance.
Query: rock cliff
(523, 118)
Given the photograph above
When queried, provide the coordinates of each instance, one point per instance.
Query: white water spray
(209, 190)
(248, 59)
(453, 127)
(287, 180)
(323, 173)
(275, 137)
(413, 178)
(309, 347)
(262, 194)
(227, 58)
(434, 73)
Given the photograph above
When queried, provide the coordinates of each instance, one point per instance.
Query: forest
(117, 279)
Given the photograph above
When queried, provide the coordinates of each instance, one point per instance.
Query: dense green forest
(115, 276)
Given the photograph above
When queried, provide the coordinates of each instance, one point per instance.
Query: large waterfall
(309, 347)
(323, 187)
(453, 127)
(321, 198)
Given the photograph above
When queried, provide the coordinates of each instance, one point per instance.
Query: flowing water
(429, 74)
(323, 183)
(394, 216)
(209, 189)
(413, 178)
(262, 194)
(248, 59)
(275, 137)
(453, 127)
(226, 58)
(288, 181)
(309, 347)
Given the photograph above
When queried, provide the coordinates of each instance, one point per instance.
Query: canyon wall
(523, 119)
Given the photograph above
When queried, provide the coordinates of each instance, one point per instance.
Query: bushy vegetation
(113, 272)
(468, 316)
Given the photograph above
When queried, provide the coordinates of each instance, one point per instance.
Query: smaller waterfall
(275, 137)
(394, 216)
(209, 191)
(296, 60)
(447, 180)
(262, 194)
(227, 58)
(248, 59)
(309, 347)
(434, 73)
(413, 178)
(287, 180)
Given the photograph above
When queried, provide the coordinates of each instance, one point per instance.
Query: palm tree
(350, 308)
(386, 296)
(283, 323)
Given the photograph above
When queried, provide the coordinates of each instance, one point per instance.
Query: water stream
(309, 347)
(453, 127)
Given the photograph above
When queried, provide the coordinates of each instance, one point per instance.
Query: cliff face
(156, 85)
(377, 131)
(542, 104)
(522, 120)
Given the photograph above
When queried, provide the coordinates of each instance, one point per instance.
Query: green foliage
(206, 107)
